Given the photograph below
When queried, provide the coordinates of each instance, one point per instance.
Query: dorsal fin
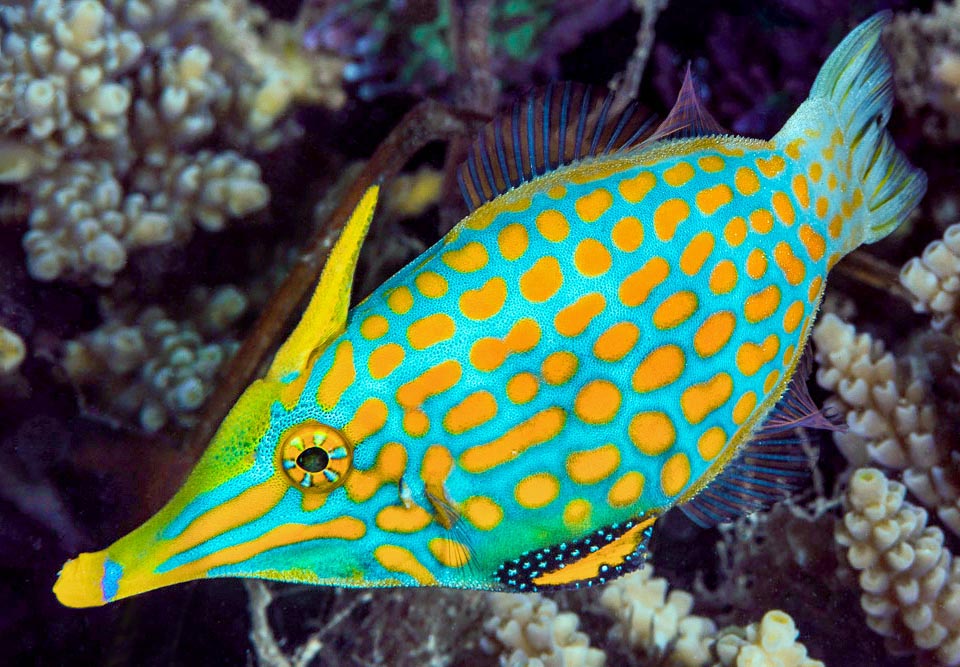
(770, 465)
(688, 117)
(551, 127)
(326, 315)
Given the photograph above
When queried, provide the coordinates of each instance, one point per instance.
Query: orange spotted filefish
(615, 329)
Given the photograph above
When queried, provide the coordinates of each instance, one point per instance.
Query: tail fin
(856, 81)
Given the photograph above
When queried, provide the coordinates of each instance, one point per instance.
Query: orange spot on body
(482, 512)
(537, 490)
(369, 419)
(398, 559)
(475, 410)
(696, 253)
(576, 515)
(542, 280)
(449, 553)
(627, 234)
(662, 366)
(484, 302)
(772, 166)
(522, 388)
(389, 467)
(513, 241)
(593, 465)
(635, 289)
(711, 163)
(746, 181)
(723, 278)
(553, 225)
(668, 216)
(616, 342)
(523, 336)
(735, 232)
(399, 519)
(471, 257)
(375, 326)
(558, 367)
(815, 171)
(430, 284)
(714, 333)
(572, 320)
(761, 220)
(652, 432)
(761, 305)
(675, 474)
(538, 429)
(699, 400)
(597, 402)
(813, 292)
(626, 490)
(340, 376)
(743, 408)
(756, 263)
(783, 208)
(591, 258)
(488, 354)
(675, 310)
(591, 206)
(400, 300)
(751, 357)
(711, 443)
(822, 207)
(433, 381)
(709, 200)
(793, 268)
(636, 188)
(679, 174)
(771, 381)
(801, 190)
(815, 244)
(430, 330)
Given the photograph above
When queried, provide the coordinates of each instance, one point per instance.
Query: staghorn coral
(154, 367)
(910, 581)
(890, 418)
(536, 634)
(927, 72)
(656, 622)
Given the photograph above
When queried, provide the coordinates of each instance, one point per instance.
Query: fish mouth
(89, 580)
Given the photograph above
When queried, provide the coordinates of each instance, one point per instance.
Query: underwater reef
(172, 170)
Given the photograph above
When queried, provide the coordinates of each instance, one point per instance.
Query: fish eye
(314, 457)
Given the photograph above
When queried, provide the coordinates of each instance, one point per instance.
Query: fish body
(582, 352)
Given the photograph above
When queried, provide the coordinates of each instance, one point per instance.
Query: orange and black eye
(315, 457)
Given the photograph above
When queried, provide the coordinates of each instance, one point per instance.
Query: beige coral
(536, 634)
(770, 643)
(927, 66)
(657, 621)
(61, 73)
(154, 367)
(890, 418)
(12, 351)
(910, 582)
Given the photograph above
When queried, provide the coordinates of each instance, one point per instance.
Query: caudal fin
(856, 81)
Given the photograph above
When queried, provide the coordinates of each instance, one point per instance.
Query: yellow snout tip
(82, 581)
